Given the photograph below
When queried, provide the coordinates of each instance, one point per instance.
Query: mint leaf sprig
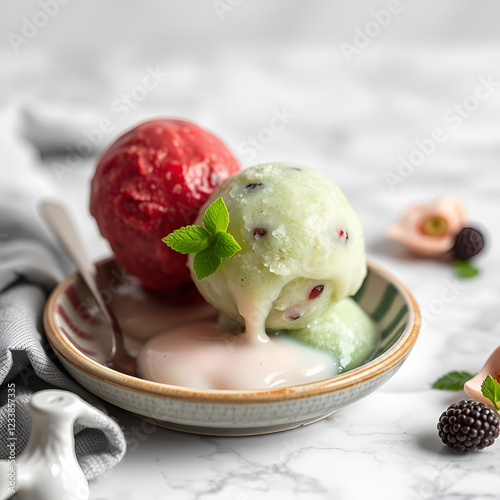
(465, 269)
(210, 243)
(491, 390)
(453, 381)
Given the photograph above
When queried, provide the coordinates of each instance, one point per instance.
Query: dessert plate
(75, 331)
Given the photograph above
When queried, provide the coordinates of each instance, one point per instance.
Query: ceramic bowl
(73, 329)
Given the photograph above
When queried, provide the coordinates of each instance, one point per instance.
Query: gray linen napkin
(29, 268)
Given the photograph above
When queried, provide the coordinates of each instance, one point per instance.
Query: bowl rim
(393, 356)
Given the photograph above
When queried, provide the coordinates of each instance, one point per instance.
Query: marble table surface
(355, 120)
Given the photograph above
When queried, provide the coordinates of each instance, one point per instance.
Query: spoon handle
(60, 221)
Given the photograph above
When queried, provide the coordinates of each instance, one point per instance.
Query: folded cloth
(29, 268)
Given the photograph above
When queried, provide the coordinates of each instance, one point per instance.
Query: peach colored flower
(492, 368)
(429, 229)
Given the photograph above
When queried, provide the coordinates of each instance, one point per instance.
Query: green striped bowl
(389, 308)
(236, 413)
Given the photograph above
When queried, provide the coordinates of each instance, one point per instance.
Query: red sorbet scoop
(150, 181)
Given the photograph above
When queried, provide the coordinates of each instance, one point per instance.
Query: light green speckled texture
(302, 212)
(344, 330)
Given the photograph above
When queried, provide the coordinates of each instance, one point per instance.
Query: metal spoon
(60, 221)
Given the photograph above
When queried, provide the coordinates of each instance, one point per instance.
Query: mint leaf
(465, 269)
(211, 243)
(206, 262)
(453, 381)
(491, 390)
(188, 239)
(216, 218)
(225, 246)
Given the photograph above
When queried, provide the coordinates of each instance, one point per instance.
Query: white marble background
(230, 65)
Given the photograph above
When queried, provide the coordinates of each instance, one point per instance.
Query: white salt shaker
(48, 469)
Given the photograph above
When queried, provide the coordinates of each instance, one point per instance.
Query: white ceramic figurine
(47, 469)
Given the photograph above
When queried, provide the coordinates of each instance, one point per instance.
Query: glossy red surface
(150, 181)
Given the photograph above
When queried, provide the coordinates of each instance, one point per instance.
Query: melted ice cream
(206, 356)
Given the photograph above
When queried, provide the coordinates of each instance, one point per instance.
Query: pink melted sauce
(204, 355)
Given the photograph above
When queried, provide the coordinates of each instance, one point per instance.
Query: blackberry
(469, 242)
(468, 426)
